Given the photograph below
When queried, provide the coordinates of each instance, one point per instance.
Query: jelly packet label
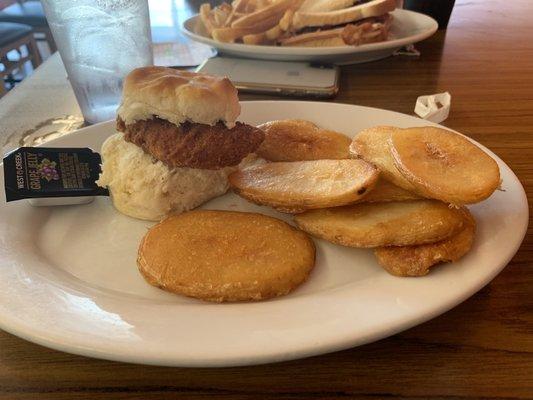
(33, 172)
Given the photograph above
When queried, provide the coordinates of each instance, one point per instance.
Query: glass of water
(100, 41)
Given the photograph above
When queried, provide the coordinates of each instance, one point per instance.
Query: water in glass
(100, 41)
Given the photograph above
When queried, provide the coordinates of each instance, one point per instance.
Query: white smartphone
(276, 77)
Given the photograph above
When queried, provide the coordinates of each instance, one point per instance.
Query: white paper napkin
(434, 107)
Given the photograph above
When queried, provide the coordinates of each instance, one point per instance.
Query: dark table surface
(481, 349)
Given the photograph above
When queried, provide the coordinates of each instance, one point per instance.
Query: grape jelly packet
(52, 176)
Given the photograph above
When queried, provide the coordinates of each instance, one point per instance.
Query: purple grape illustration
(47, 170)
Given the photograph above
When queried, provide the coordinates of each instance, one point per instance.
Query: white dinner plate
(407, 27)
(69, 280)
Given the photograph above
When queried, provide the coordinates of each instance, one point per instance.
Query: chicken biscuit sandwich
(178, 141)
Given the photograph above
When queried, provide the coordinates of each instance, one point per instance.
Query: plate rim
(347, 342)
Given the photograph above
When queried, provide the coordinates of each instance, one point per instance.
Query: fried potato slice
(275, 10)
(305, 184)
(221, 14)
(205, 17)
(230, 34)
(383, 224)
(299, 140)
(372, 145)
(417, 260)
(267, 37)
(262, 4)
(236, 7)
(385, 191)
(225, 256)
(444, 165)
(286, 20)
(250, 7)
(255, 39)
(288, 210)
(274, 33)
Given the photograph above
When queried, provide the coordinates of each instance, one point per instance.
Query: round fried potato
(383, 224)
(287, 210)
(385, 191)
(305, 184)
(444, 165)
(372, 145)
(417, 260)
(225, 256)
(299, 140)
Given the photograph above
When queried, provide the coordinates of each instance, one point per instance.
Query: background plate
(408, 27)
(68, 276)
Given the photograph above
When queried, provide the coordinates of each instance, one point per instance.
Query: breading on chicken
(191, 144)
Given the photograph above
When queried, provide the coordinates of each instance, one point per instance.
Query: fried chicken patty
(193, 145)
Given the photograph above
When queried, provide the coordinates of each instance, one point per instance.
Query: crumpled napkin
(434, 107)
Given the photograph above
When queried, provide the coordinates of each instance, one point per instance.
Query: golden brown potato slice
(230, 34)
(239, 5)
(255, 39)
(383, 224)
(288, 210)
(250, 7)
(383, 191)
(225, 256)
(417, 260)
(386, 191)
(205, 17)
(274, 33)
(299, 140)
(305, 184)
(286, 20)
(221, 14)
(262, 4)
(236, 7)
(257, 17)
(372, 145)
(444, 165)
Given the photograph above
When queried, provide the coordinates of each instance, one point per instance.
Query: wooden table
(481, 349)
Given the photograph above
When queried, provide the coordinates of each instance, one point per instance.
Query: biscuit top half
(178, 96)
